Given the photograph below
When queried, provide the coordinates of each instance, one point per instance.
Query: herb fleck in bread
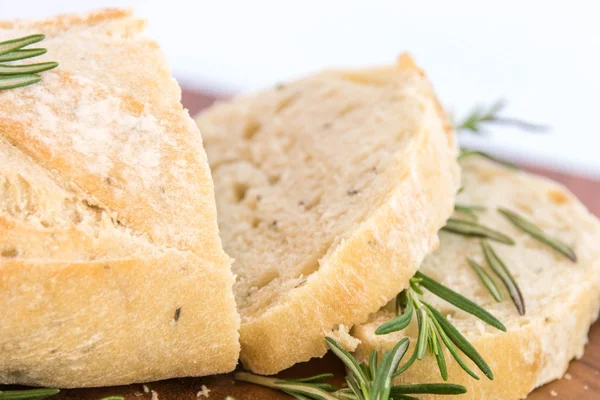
(111, 268)
(562, 297)
(330, 191)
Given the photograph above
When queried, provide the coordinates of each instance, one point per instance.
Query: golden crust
(121, 20)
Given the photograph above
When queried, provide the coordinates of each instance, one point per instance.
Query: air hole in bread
(266, 278)
(240, 189)
(557, 197)
(274, 179)
(312, 203)
(251, 129)
(97, 211)
(9, 252)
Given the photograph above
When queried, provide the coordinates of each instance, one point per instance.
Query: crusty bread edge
(99, 340)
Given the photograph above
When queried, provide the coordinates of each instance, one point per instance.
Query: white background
(542, 56)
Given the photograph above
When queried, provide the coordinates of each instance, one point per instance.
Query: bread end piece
(562, 297)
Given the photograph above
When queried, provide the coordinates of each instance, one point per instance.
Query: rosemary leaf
(500, 269)
(441, 359)
(27, 68)
(21, 54)
(487, 280)
(398, 323)
(293, 388)
(382, 383)
(30, 394)
(479, 116)
(423, 333)
(452, 349)
(15, 81)
(315, 378)
(473, 229)
(459, 301)
(353, 385)
(406, 366)
(463, 344)
(429, 388)
(373, 363)
(348, 360)
(15, 44)
(531, 229)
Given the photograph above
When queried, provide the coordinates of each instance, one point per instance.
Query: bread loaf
(111, 267)
(330, 191)
(562, 298)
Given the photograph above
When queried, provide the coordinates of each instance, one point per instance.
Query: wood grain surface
(582, 382)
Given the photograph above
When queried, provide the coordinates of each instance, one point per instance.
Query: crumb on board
(585, 387)
(138, 394)
(553, 393)
(146, 389)
(154, 395)
(568, 376)
(203, 392)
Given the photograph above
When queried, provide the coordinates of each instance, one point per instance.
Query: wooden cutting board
(582, 382)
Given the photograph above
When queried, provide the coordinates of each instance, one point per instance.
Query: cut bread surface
(329, 192)
(562, 298)
(111, 267)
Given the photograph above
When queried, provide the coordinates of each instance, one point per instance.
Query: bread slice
(562, 298)
(330, 191)
(111, 267)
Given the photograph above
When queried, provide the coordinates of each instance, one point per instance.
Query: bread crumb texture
(111, 268)
(561, 296)
(330, 191)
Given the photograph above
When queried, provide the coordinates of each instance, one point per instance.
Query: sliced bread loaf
(562, 297)
(111, 267)
(330, 191)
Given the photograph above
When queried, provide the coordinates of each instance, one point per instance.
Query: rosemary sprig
(531, 229)
(434, 329)
(500, 269)
(29, 394)
(16, 44)
(487, 280)
(469, 210)
(480, 116)
(372, 381)
(471, 228)
(14, 76)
